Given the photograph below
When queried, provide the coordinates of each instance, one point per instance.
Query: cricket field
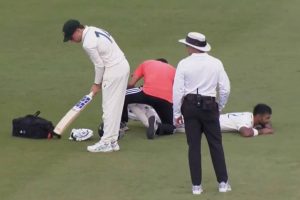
(258, 42)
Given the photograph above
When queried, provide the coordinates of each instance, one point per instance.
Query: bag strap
(37, 113)
(52, 133)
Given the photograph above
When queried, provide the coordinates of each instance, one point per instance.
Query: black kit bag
(32, 126)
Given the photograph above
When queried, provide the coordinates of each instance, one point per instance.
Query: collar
(199, 54)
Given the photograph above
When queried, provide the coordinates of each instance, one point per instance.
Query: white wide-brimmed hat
(197, 41)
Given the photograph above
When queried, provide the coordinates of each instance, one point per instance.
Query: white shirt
(235, 121)
(201, 71)
(102, 50)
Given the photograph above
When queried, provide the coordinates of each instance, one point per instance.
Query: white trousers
(141, 112)
(114, 84)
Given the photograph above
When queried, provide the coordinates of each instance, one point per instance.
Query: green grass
(258, 44)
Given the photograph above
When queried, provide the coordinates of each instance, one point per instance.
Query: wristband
(255, 132)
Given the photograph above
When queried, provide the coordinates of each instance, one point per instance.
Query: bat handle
(56, 135)
(91, 94)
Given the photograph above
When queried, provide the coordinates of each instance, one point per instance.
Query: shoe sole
(150, 130)
(92, 151)
(224, 191)
(116, 149)
(124, 129)
(197, 193)
(227, 190)
(95, 151)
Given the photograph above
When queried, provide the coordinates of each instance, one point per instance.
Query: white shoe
(115, 146)
(100, 147)
(180, 128)
(197, 189)
(80, 134)
(224, 187)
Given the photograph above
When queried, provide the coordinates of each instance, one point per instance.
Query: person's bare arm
(265, 129)
(246, 132)
(269, 125)
(250, 132)
(134, 79)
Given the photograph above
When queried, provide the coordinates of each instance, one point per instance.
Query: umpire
(199, 77)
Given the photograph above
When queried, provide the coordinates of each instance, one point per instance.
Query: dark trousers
(163, 108)
(198, 119)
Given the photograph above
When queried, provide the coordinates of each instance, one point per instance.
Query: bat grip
(91, 94)
(56, 135)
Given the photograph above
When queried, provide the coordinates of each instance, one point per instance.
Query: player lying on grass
(246, 123)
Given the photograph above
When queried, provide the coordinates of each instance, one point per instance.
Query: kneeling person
(157, 92)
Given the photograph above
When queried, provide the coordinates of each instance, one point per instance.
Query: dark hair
(162, 60)
(81, 26)
(262, 109)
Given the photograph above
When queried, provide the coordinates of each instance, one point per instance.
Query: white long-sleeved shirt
(235, 121)
(102, 50)
(203, 72)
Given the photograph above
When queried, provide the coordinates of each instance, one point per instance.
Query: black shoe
(123, 126)
(121, 134)
(100, 130)
(151, 129)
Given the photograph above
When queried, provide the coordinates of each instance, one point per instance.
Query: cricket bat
(72, 114)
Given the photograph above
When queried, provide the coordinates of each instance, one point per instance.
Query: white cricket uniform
(232, 122)
(141, 112)
(112, 70)
(235, 121)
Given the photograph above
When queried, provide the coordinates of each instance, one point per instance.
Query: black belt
(195, 97)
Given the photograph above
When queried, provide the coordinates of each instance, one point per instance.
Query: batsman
(111, 76)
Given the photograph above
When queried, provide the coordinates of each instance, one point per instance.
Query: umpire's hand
(179, 121)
